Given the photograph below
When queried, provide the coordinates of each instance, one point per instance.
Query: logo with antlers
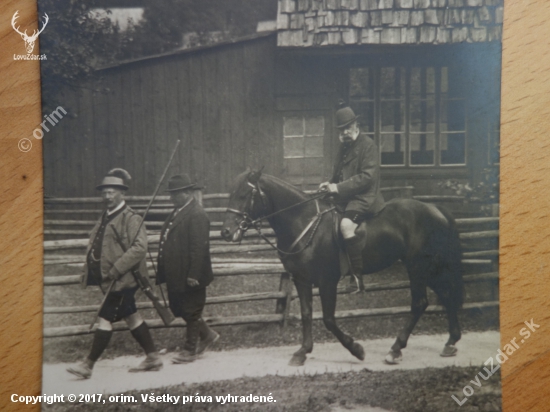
(29, 40)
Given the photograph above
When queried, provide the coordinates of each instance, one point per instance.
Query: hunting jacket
(113, 257)
(357, 174)
(184, 251)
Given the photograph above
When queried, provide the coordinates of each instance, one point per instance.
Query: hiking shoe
(83, 370)
(151, 363)
(209, 341)
(185, 356)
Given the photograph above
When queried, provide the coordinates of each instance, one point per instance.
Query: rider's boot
(355, 256)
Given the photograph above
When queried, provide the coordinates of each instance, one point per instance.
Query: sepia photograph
(281, 205)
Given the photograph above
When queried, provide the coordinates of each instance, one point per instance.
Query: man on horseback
(355, 184)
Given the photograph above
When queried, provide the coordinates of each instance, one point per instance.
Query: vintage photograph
(282, 205)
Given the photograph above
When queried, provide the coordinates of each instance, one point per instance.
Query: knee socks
(143, 337)
(101, 340)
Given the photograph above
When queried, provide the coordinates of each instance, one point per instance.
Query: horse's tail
(450, 252)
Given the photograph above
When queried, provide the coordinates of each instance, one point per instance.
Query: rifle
(142, 281)
(144, 284)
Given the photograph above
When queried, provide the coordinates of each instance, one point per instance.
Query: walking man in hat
(106, 261)
(355, 183)
(184, 265)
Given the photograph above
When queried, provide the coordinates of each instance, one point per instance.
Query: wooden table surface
(525, 201)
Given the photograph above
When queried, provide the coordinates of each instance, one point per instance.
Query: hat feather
(120, 173)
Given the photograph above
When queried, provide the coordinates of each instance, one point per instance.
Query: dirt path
(111, 376)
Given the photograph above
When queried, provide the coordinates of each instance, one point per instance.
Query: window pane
(293, 126)
(444, 80)
(293, 147)
(387, 81)
(422, 148)
(430, 80)
(366, 111)
(313, 146)
(453, 115)
(415, 81)
(393, 116)
(422, 115)
(392, 147)
(422, 81)
(361, 83)
(392, 82)
(315, 126)
(453, 148)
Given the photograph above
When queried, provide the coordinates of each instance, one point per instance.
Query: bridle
(247, 222)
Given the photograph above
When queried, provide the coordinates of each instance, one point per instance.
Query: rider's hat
(345, 116)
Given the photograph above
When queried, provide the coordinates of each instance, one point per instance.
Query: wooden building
(423, 74)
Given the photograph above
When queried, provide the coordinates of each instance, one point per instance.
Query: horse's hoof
(393, 358)
(448, 351)
(297, 360)
(358, 351)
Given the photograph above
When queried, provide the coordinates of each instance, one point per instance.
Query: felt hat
(117, 178)
(345, 116)
(181, 182)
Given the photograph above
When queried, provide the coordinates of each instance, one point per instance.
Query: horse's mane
(287, 185)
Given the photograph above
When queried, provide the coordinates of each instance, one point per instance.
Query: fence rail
(369, 287)
(472, 232)
(62, 331)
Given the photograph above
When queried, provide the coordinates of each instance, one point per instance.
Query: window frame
(407, 133)
(305, 181)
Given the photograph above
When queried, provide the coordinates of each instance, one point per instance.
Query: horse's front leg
(306, 297)
(328, 293)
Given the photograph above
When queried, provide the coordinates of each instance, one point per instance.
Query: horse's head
(246, 204)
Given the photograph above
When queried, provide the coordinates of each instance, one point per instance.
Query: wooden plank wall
(226, 104)
(219, 102)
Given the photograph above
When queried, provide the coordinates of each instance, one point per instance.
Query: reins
(247, 222)
(315, 222)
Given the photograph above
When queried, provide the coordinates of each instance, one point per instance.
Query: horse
(423, 236)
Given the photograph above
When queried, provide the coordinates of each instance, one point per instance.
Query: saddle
(360, 232)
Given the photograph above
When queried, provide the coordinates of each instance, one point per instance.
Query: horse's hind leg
(327, 292)
(418, 306)
(306, 296)
(445, 296)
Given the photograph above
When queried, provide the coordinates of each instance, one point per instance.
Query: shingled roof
(317, 23)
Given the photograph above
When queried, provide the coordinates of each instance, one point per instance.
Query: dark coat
(126, 225)
(357, 174)
(185, 251)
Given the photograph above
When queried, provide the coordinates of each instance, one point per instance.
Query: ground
(324, 384)
(426, 390)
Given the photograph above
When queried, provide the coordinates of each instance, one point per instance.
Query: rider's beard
(349, 136)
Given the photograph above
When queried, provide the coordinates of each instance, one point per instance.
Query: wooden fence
(70, 252)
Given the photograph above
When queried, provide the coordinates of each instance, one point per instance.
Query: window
(412, 115)
(303, 148)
